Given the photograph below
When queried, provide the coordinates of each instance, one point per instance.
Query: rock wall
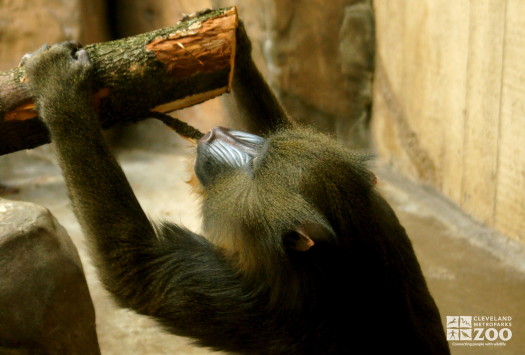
(319, 58)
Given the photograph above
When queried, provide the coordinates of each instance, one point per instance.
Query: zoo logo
(462, 328)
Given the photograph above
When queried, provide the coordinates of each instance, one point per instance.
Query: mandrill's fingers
(26, 56)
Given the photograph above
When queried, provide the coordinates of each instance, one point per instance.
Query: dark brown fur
(255, 284)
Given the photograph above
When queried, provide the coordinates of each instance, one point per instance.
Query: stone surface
(44, 297)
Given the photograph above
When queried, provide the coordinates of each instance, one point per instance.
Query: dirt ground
(471, 271)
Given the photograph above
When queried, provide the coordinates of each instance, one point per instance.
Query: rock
(45, 301)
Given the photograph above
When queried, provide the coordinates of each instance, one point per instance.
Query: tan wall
(25, 25)
(449, 101)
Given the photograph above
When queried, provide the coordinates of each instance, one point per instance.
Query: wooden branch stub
(161, 71)
(210, 44)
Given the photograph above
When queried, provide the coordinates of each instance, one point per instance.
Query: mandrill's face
(223, 150)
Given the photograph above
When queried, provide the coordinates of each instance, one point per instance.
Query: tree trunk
(161, 71)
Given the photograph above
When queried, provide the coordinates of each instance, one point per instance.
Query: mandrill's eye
(222, 150)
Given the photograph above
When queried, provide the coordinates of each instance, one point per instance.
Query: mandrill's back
(330, 268)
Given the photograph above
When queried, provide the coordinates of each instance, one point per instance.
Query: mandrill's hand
(60, 79)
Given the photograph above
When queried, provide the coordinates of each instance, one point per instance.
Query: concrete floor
(471, 271)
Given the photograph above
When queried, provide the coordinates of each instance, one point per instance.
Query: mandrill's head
(289, 193)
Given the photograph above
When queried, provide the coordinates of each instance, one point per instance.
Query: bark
(160, 71)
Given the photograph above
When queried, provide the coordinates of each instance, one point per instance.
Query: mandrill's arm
(60, 77)
(165, 272)
(259, 107)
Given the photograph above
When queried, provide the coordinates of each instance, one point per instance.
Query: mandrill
(299, 253)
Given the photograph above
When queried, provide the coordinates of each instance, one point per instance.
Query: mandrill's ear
(306, 234)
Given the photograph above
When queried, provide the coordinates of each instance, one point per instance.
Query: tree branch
(160, 71)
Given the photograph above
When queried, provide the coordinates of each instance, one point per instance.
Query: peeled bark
(160, 71)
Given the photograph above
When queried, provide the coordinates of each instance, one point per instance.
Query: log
(159, 71)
